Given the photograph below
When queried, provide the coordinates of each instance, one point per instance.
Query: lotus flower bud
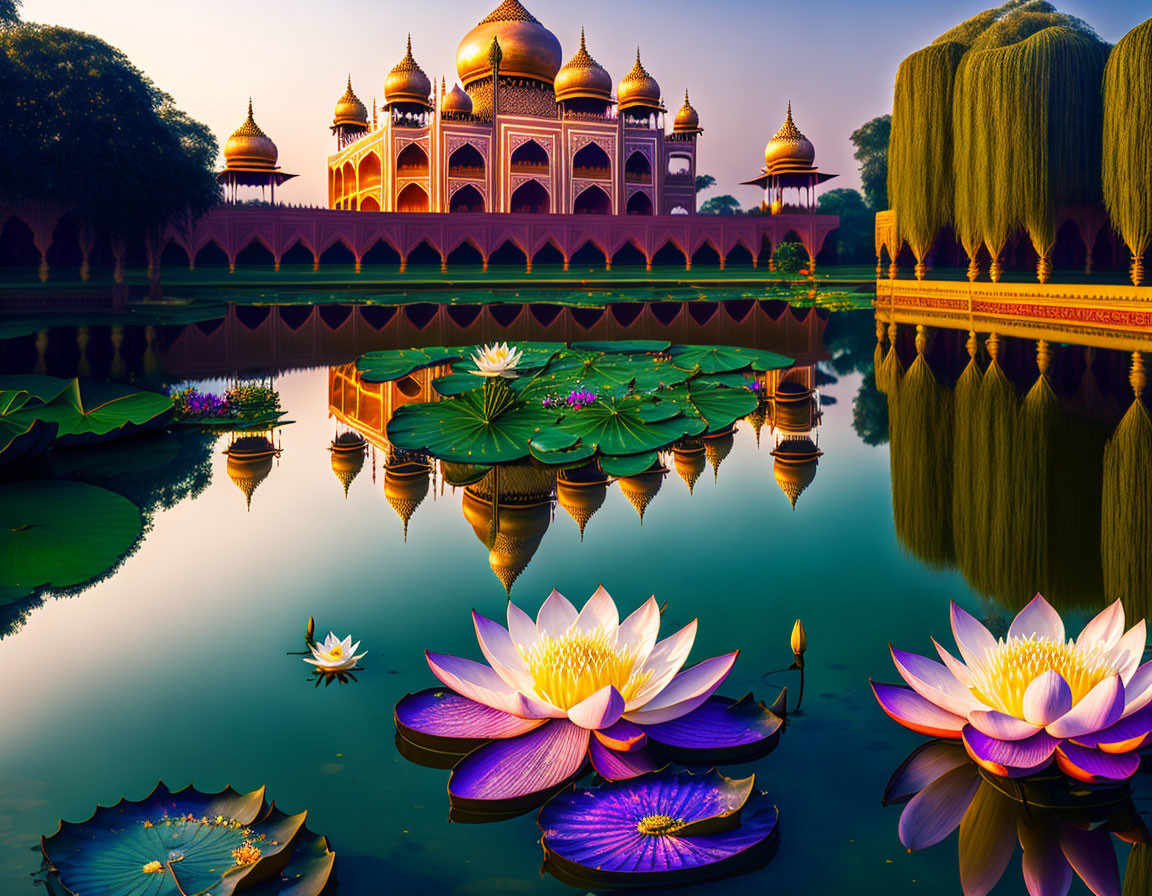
(799, 639)
(309, 635)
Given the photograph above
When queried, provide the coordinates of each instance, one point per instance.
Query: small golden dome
(405, 493)
(348, 451)
(250, 147)
(250, 460)
(581, 500)
(789, 148)
(350, 112)
(641, 489)
(512, 538)
(717, 448)
(638, 89)
(527, 48)
(795, 466)
(689, 463)
(582, 77)
(407, 83)
(687, 119)
(457, 101)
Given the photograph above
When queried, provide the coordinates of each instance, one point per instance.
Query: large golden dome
(789, 148)
(687, 119)
(582, 77)
(528, 49)
(638, 89)
(407, 83)
(350, 112)
(250, 147)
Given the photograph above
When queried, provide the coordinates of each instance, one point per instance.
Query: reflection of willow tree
(1126, 526)
(1008, 490)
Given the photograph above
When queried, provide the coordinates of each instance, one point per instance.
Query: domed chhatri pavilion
(250, 159)
(789, 164)
(524, 131)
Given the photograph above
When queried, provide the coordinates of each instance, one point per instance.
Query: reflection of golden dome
(794, 413)
(528, 49)
(789, 148)
(514, 539)
(405, 493)
(348, 451)
(457, 101)
(758, 418)
(581, 500)
(249, 463)
(582, 77)
(689, 463)
(717, 448)
(687, 119)
(250, 147)
(795, 466)
(350, 112)
(407, 83)
(518, 483)
(638, 89)
(641, 489)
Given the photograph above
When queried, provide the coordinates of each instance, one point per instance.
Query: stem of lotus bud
(497, 397)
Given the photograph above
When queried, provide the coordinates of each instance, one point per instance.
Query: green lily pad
(170, 844)
(601, 372)
(556, 446)
(21, 439)
(724, 359)
(457, 384)
(628, 464)
(60, 534)
(533, 356)
(455, 429)
(718, 405)
(88, 413)
(387, 366)
(634, 346)
(630, 424)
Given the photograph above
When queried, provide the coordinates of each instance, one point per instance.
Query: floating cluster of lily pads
(503, 407)
(246, 406)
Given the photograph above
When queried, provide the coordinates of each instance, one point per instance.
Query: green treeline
(1015, 119)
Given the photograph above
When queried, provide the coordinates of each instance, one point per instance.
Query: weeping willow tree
(965, 421)
(891, 371)
(1026, 123)
(921, 459)
(1127, 164)
(1126, 516)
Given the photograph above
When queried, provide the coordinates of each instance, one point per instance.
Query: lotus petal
(958, 669)
(973, 639)
(1047, 698)
(556, 616)
(436, 718)
(1130, 649)
(502, 655)
(934, 682)
(686, 691)
(596, 831)
(926, 764)
(1128, 734)
(1001, 725)
(639, 630)
(905, 706)
(1038, 620)
(937, 810)
(1010, 758)
(718, 724)
(521, 628)
(664, 662)
(1046, 871)
(523, 766)
(599, 613)
(615, 766)
(1092, 856)
(1106, 628)
(987, 840)
(602, 710)
(480, 683)
(623, 737)
(1138, 691)
(1095, 766)
(1100, 708)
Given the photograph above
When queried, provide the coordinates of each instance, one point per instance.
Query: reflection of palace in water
(1022, 463)
(511, 506)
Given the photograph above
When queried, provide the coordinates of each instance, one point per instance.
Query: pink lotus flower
(1019, 702)
(569, 687)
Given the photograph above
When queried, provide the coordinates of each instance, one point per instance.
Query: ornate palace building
(524, 133)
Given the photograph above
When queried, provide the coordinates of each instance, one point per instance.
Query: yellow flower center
(336, 652)
(153, 867)
(1003, 677)
(573, 667)
(656, 825)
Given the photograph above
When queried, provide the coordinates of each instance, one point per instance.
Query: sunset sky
(742, 60)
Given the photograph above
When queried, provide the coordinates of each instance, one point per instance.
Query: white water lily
(496, 360)
(334, 655)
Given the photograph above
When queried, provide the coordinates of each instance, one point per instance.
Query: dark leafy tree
(853, 240)
(9, 12)
(870, 412)
(871, 142)
(82, 126)
(704, 182)
(721, 205)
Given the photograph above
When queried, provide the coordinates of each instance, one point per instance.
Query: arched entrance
(412, 162)
(638, 170)
(591, 163)
(593, 201)
(529, 158)
(466, 162)
(530, 198)
(508, 254)
(412, 199)
(466, 199)
(369, 172)
(639, 204)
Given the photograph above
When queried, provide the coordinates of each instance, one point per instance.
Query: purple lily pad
(440, 719)
(659, 828)
(616, 765)
(721, 728)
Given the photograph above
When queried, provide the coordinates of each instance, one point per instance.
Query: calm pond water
(177, 665)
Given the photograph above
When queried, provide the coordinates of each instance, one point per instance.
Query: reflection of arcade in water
(277, 338)
(1022, 463)
(511, 506)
